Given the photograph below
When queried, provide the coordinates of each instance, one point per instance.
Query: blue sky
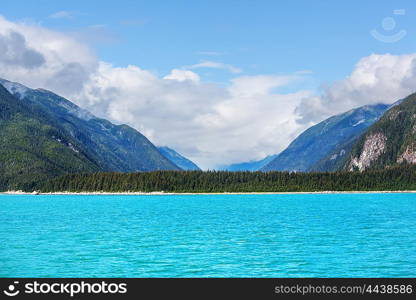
(325, 37)
(219, 81)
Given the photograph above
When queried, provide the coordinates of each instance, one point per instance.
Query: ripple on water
(335, 235)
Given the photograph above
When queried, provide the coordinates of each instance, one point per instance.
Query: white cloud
(259, 85)
(182, 75)
(39, 57)
(210, 123)
(215, 65)
(16, 52)
(63, 14)
(375, 79)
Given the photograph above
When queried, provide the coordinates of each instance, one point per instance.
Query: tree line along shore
(401, 178)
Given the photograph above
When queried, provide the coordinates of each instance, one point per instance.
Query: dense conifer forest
(399, 178)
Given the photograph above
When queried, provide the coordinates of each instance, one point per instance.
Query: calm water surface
(347, 235)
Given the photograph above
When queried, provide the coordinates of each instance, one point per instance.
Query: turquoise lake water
(332, 235)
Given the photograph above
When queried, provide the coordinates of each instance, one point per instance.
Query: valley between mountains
(44, 136)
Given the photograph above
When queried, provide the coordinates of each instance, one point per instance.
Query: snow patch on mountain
(14, 88)
(358, 123)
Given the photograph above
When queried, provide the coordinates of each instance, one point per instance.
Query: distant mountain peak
(326, 141)
(253, 165)
(178, 159)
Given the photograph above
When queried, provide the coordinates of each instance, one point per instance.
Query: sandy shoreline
(225, 193)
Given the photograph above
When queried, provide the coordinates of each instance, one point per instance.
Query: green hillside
(43, 135)
(115, 147)
(33, 147)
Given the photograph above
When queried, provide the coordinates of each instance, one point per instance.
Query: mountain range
(322, 146)
(253, 165)
(314, 144)
(45, 135)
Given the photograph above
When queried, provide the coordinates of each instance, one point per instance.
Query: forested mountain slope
(46, 135)
(391, 141)
(317, 142)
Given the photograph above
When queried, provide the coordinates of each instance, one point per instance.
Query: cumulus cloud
(38, 57)
(259, 85)
(247, 119)
(213, 124)
(209, 123)
(182, 75)
(15, 52)
(375, 79)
